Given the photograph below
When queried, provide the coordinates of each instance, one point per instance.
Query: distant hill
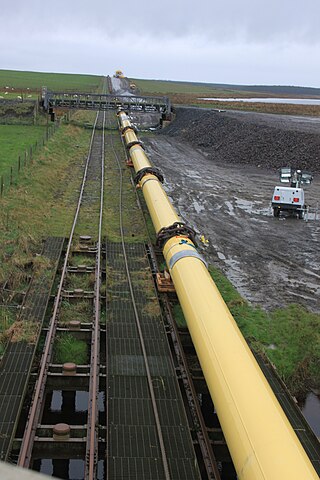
(171, 86)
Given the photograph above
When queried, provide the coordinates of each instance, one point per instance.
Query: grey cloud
(248, 19)
(231, 41)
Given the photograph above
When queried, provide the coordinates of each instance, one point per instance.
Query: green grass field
(288, 336)
(54, 81)
(166, 87)
(14, 140)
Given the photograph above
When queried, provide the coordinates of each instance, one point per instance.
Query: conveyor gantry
(95, 101)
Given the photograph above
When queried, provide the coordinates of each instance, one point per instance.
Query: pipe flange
(177, 228)
(128, 127)
(133, 143)
(152, 170)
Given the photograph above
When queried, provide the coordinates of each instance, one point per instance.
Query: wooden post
(25, 158)
(30, 154)
(19, 163)
(1, 187)
(11, 176)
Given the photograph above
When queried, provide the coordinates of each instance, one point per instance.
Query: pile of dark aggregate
(264, 141)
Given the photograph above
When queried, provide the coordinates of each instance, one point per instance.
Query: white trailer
(288, 199)
(291, 199)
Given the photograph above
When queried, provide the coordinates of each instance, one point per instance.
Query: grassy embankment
(24, 88)
(43, 202)
(188, 93)
(41, 205)
(24, 81)
(288, 336)
(14, 141)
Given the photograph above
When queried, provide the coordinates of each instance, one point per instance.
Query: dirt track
(271, 261)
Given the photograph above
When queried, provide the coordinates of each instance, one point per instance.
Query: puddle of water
(192, 174)
(76, 469)
(311, 412)
(56, 402)
(72, 469)
(251, 207)
(292, 101)
(101, 401)
(258, 220)
(80, 402)
(231, 209)
(46, 467)
(198, 208)
(237, 277)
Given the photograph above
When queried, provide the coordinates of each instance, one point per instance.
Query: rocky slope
(267, 141)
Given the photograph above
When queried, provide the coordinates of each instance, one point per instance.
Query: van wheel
(301, 215)
(276, 212)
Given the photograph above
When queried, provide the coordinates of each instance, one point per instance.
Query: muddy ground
(271, 261)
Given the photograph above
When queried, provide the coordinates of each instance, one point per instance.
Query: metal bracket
(183, 254)
(152, 170)
(177, 228)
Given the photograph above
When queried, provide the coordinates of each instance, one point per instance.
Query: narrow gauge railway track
(160, 434)
(93, 172)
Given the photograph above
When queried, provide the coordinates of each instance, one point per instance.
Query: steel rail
(208, 456)
(38, 397)
(137, 319)
(92, 440)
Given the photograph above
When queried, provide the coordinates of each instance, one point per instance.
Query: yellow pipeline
(125, 122)
(139, 158)
(130, 137)
(161, 211)
(260, 438)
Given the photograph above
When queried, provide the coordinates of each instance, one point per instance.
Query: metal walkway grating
(134, 451)
(17, 360)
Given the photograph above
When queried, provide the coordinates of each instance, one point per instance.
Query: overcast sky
(230, 41)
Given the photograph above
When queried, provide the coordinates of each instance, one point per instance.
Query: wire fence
(27, 158)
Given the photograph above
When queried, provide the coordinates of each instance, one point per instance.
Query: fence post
(25, 157)
(1, 185)
(19, 163)
(30, 154)
(11, 175)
